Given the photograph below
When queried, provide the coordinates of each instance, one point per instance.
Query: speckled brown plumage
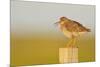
(72, 26)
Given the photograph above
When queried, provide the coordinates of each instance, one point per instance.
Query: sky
(28, 17)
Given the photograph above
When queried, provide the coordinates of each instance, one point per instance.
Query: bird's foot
(72, 46)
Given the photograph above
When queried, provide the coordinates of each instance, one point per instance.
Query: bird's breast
(66, 32)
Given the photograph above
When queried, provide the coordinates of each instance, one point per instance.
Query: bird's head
(63, 18)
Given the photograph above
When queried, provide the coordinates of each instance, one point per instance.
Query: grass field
(44, 49)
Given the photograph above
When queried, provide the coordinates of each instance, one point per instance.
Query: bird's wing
(80, 27)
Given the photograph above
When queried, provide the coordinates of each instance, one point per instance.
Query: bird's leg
(69, 42)
(74, 38)
(77, 38)
(74, 42)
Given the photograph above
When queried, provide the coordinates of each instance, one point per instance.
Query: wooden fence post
(68, 55)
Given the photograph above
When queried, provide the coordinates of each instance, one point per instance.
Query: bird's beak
(56, 23)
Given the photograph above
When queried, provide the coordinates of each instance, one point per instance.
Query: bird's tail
(88, 30)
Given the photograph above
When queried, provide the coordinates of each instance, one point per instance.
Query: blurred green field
(44, 50)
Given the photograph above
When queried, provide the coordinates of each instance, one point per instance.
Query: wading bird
(71, 29)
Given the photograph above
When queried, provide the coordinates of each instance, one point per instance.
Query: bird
(71, 29)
